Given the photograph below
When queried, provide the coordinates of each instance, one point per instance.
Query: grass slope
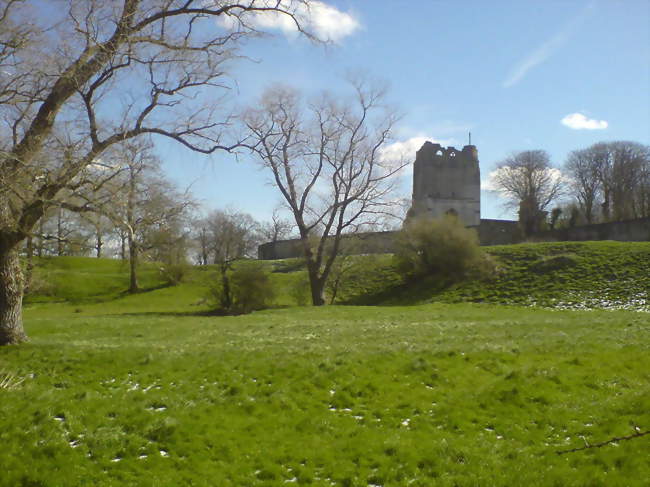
(348, 396)
(564, 275)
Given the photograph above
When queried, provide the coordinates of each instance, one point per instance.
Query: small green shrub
(439, 247)
(174, 273)
(250, 289)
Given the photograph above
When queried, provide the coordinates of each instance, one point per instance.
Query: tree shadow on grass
(96, 299)
(414, 291)
(202, 313)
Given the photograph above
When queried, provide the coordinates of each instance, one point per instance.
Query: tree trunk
(99, 245)
(226, 295)
(317, 285)
(133, 266)
(11, 298)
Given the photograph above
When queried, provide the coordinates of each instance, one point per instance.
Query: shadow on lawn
(168, 313)
(96, 299)
(417, 291)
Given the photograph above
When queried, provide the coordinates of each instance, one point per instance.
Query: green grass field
(149, 390)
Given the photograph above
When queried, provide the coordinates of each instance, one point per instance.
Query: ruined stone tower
(447, 181)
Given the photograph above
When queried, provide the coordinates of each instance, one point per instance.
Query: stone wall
(361, 243)
(491, 232)
(626, 231)
(499, 232)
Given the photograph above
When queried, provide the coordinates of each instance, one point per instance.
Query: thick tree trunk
(133, 266)
(317, 285)
(11, 298)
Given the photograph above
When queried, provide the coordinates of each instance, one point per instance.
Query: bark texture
(11, 299)
(133, 266)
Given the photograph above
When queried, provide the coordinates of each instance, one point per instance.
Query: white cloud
(406, 149)
(323, 20)
(578, 121)
(546, 49)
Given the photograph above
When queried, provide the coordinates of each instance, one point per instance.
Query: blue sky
(509, 71)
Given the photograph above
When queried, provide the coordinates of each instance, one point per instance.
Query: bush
(174, 273)
(250, 289)
(439, 247)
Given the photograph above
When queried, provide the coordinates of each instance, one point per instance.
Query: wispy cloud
(325, 21)
(545, 50)
(578, 121)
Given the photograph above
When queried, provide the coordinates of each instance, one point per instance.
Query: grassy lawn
(139, 390)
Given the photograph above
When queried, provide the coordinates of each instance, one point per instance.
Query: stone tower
(447, 181)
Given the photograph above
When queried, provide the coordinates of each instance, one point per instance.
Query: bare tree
(92, 74)
(232, 235)
(101, 228)
(278, 228)
(325, 159)
(531, 184)
(611, 180)
(582, 167)
(142, 203)
(621, 167)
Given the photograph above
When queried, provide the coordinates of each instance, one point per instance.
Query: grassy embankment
(147, 390)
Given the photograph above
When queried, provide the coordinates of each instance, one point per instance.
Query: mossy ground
(149, 390)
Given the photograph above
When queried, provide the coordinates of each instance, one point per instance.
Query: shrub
(174, 273)
(439, 247)
(250, 289)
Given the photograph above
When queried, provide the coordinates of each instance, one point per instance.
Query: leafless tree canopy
(611, 180)
(530, 183)
(80, 76)
(325, 159)
(78, 80)
(230, 235)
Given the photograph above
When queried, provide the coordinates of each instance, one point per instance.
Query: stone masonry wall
(491, 232)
